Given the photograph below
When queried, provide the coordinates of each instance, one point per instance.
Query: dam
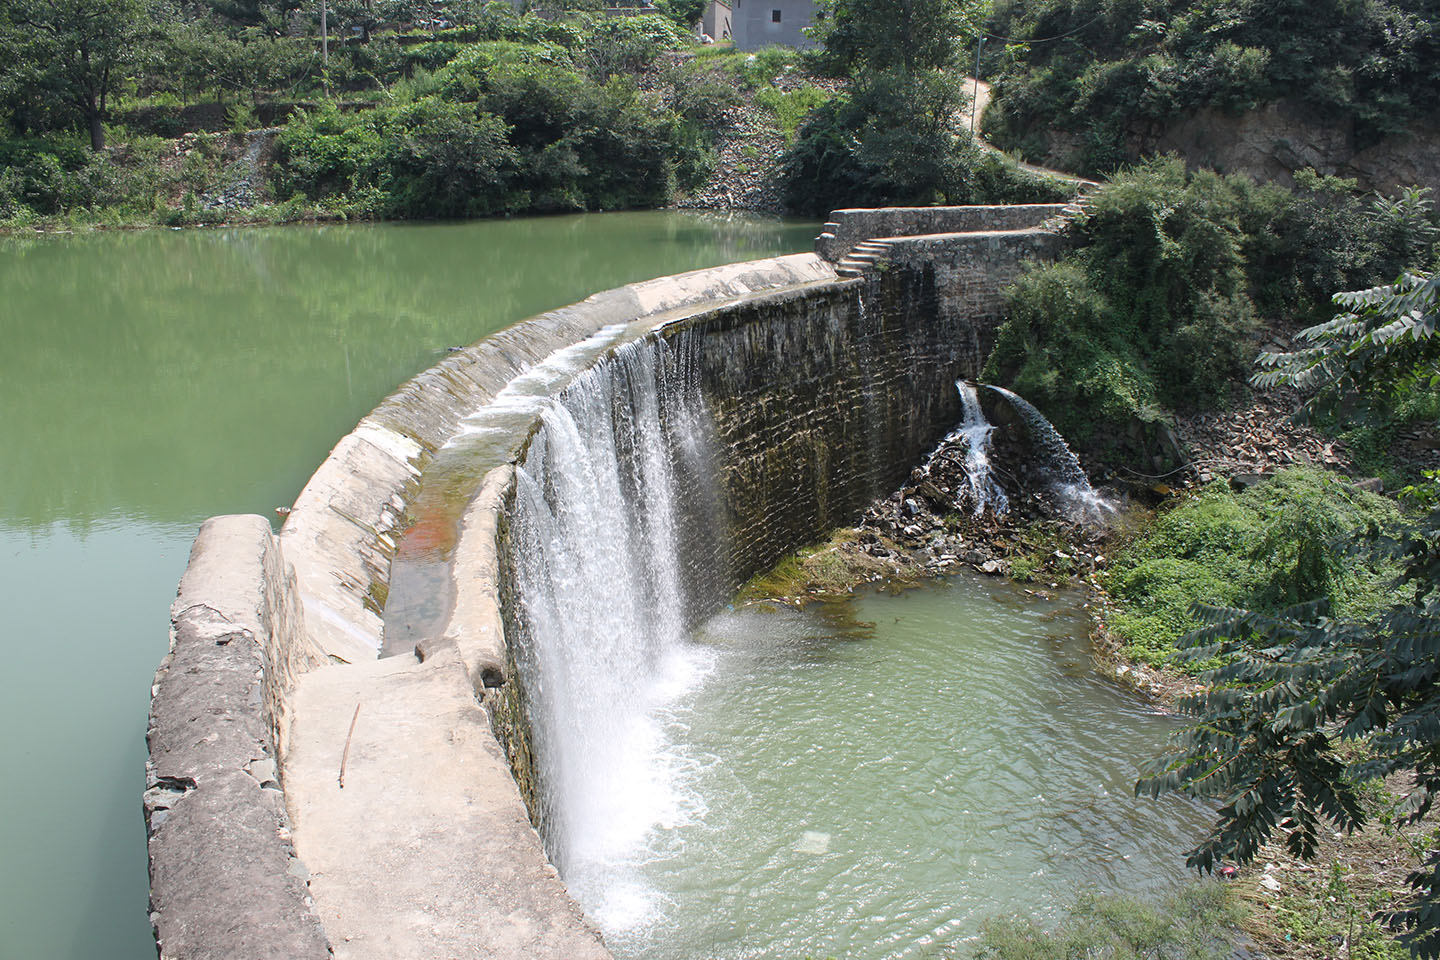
(359, 740)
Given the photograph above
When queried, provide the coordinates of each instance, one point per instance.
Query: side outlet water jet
(974, 430)
(1078, 499)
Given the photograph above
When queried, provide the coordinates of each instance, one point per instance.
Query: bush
(514, 127)
(1265, 549)
(890, 146)
(425, 159)
(1154, 309)
(629, 44)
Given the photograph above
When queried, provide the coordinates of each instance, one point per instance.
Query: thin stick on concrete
(345, 757)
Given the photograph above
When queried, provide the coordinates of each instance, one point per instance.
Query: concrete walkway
(425, 853)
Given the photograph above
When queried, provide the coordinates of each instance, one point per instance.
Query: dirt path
(980, 101)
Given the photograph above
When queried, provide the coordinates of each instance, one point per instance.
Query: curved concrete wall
(410, 837)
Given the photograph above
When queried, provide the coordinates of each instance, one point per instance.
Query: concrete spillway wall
(382, 816)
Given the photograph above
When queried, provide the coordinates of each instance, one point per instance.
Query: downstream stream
(149, 380)
(873, 779)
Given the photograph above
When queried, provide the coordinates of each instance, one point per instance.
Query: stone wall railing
(224, 879)
(851, 226)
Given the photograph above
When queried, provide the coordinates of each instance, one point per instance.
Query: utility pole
(975, 100)
(324, 33)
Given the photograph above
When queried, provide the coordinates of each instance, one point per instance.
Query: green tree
(67, 57)
(1299, 687)
(895, 135)
(1382, 347)
(686, 13)
(862, 36)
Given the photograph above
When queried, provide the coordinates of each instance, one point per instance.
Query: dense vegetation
(121, 111)
(1100, 71)
(1310, 696)
(486, 113)
(1267, 547)
(1154, 310)
(895, 135)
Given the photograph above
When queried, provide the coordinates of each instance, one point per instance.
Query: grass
(1266, 548)
(790, 108)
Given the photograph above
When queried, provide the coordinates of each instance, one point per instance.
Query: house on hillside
(766, 23)
(715, 23)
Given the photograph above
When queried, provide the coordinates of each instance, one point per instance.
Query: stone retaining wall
(851, 226)
(970, 273)
(342, 530)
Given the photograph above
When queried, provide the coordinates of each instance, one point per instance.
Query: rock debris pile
(933, 516)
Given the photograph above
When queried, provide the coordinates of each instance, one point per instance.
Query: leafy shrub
(629, 44)
(49, 175)
(1266, 549)
(1154, 309)
(897, 144)
(425, 159)
(514, 127)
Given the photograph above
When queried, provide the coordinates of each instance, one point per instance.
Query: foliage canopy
(1307, 706)
(1103, 70)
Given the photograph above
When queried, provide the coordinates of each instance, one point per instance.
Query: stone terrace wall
(224, 881)
(851, 226)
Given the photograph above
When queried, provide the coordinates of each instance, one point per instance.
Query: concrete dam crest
(308, 798)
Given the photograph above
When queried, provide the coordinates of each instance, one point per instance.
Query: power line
(1058, 36)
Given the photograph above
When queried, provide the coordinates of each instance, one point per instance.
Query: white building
(765, 23)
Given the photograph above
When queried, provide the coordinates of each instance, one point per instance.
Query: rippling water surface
(873, 780)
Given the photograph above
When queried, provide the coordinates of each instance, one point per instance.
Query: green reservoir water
(873, 779)
(150, 380)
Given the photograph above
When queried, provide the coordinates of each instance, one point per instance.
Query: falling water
(600, 537)
(1068, 477)
(975, 431)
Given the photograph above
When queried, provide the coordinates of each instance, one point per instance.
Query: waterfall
(1067, 476)
(600, 535)
(975, 431)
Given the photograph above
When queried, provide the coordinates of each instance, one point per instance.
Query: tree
(1279, 722)
(895, 135)
(863, 36)
(68, 56)
(1383, 345)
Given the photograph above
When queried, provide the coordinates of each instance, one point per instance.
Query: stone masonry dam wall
(306, 799)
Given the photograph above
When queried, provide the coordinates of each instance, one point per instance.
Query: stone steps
(862, 258)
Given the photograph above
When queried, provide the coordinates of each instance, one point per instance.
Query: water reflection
(168, 375)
